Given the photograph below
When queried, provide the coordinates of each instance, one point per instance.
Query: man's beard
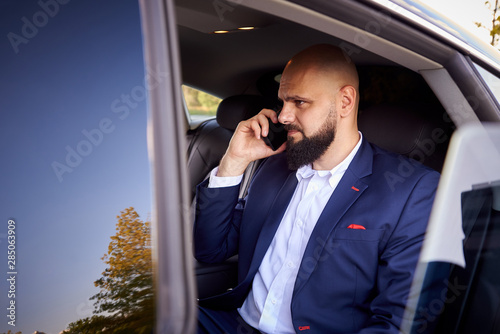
(309, 149)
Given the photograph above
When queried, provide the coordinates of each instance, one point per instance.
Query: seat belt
(247, 177)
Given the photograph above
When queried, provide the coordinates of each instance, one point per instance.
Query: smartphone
(277, 135)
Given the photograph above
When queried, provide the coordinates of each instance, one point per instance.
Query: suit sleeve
(216, 226)
(398, 260)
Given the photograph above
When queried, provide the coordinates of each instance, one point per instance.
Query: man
(325, 244)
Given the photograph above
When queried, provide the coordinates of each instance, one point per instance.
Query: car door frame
(173, 263)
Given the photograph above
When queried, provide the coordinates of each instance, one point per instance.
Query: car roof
(232, 63)
(224, 64)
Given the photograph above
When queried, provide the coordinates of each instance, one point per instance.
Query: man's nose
(287, 115)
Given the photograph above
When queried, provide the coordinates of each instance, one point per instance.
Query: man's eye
(299, 103)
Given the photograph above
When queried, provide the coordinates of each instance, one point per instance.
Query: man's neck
(337, 152)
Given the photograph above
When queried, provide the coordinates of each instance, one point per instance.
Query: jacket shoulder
(396, 169)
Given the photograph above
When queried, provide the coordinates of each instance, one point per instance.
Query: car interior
(405, 98)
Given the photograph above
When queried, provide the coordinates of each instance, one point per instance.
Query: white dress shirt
(268, 304)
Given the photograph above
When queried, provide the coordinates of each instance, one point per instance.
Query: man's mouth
(292, 130)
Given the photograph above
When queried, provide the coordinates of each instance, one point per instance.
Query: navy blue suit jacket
(350, 280)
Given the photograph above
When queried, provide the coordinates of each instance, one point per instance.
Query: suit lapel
(272, 222)
(349, 189)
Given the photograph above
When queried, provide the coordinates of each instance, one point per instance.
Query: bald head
(326, 60)
(319, 90)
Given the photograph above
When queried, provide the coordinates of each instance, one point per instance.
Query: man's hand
(247, 145)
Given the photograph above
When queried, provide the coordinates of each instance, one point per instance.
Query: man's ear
(348, 97)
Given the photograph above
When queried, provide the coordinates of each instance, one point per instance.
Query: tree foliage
(199, 102)
(494, 29)
(125, 303)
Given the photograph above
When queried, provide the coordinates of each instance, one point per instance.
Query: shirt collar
(307, 171)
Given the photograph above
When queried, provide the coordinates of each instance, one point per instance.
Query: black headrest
(406, 130)
(235, 109)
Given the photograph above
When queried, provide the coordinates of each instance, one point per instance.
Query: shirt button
(299, 223)
(290, 264)
(273, 301)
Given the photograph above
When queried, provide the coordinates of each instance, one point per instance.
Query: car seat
(416, 131)
(210, 140)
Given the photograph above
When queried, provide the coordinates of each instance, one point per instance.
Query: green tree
(494, 29)
(191, 97)
(199, 102)
(91, 325)
(209, 102)
(125, 303)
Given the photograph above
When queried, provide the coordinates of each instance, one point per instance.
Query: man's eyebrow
(295, 98)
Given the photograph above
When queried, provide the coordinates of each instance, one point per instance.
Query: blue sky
(69, 72)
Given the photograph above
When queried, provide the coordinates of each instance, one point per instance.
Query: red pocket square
(356, 227)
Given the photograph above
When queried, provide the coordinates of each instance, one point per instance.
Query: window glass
(481, 223)
(457, 281)
(74, 182)
(491, 80)
(466, 299)
(201, 105)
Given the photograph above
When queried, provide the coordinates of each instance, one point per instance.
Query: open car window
(75, 167)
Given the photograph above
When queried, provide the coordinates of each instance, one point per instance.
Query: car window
(200, 105)
(75, 183)
(481, 223)
(491, 80)
(458, 270)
